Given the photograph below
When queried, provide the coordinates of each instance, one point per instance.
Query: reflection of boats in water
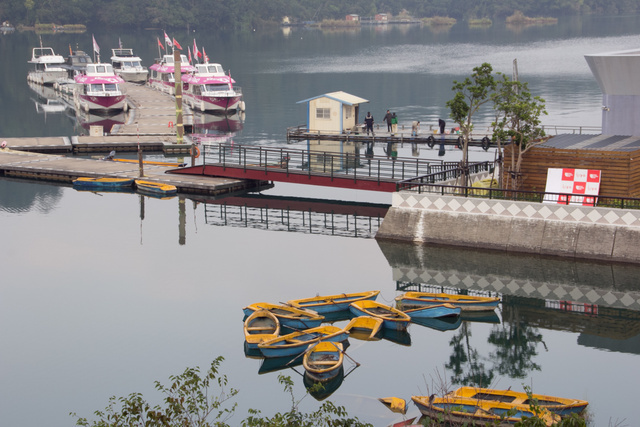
(440, 324)
(47, 66)
(47, 101)
(322, 390)
(273, 364)
(400, 337)
(215, 129)
(86, 120)
(128, 66)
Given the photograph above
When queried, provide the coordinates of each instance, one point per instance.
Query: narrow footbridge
(345, 168)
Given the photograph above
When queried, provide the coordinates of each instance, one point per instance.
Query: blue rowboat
(102, 183)
(323, 360)
(433, 311)
(289, 317)
(298, 342)
(465, 302)
(332, 303)
(392, 318)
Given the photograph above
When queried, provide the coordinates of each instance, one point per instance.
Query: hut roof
(340, 96)
(594, 142)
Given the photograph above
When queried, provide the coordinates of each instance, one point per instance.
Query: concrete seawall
(539, 228)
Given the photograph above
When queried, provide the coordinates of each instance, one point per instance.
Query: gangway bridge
(344, 169)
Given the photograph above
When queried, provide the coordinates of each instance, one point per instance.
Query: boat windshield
(110, 87)
(215, 69)
(216, 87)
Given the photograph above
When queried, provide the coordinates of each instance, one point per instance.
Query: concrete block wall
(540, 228)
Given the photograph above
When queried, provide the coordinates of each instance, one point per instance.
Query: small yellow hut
(335, 112)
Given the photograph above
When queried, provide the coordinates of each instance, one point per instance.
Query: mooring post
(178, 90)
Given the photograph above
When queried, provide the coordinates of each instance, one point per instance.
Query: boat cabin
(335, 112)
(209, 70)
(125, 59)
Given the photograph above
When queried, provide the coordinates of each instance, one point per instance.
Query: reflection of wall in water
(609, 285)
(20, 196)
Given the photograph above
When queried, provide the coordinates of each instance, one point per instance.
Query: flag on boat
(119, 43)
(176, 44)
(206, 58)
(160, 44)
(230, 81)
(96, 48)
(167, 40)
(196, 52)
(189, 50)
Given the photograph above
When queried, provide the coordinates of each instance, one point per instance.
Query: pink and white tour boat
(210, 89)
(161, 74)
(98, 90)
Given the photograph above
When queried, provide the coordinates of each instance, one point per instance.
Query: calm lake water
(102, 294)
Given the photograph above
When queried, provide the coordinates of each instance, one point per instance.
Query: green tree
(470, 95)
(517, 122)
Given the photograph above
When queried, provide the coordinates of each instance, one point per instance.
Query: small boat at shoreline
(433, 311)
(161, 74)
(289, 317)
(98, 90)
(261, 326)
(209, 89)
(47, 66)
(332, 303)
(155, 188)
(128, 66)
(323, 360)
(558, 405)
(465, 302)
(392, 318)
(299, 341)
(453, 409)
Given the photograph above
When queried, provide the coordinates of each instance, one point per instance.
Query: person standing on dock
(394, 124)
(415, 127)
(368, 121)
(387, 118)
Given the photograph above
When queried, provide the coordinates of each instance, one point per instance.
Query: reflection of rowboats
(289, 317)
(332, 303)
(557, 405)
(443, 324)
(465, 302)
(323, 360)
(273, 364)
(392, 318)
(102, 183)
(433, 312)
(297, 342)
(452, 409)
(261, 326)
(401, 337)
(364, 327)
(322, 390)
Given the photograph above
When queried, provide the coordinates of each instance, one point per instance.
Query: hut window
(323, 113)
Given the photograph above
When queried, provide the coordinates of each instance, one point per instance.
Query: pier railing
(427, 184)
(355, 164)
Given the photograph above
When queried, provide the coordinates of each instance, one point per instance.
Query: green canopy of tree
(238, 14)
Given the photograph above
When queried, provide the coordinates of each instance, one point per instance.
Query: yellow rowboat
(261, 326)
(155, 188)
(463, 410)
(364, 327)
(392, 318)
(323, 360)
(395, 404)
(102, 183)
(465, 302)
(289, 317)
(298, 342)
(151, 162)
(558, 405)
(332, 303)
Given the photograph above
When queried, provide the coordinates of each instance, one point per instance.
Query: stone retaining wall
(541, 228)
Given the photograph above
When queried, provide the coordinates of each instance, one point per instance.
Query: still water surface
(103, 294)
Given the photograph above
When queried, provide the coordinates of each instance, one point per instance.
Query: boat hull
(133, 76)
(102, 183)
(46, 77)
(213, 104)
(297, 342)
(391, 317)
(434, 312)
(465, 302)
(100, 103)
(333, 303)
(155, 188)
(323, 360)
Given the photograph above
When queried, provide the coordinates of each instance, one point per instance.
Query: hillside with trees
(245, 14)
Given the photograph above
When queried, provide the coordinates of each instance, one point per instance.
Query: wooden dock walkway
(64, 169)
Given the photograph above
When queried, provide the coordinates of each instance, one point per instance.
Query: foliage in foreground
(188, 403)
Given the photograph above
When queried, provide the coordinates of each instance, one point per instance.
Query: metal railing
(355, 165)
(425, 184)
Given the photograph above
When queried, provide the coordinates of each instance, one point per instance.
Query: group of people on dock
(390, 118)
